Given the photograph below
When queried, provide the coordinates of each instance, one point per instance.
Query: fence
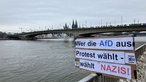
(100, 78)
(139, 51)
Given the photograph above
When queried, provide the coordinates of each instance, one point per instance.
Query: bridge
(86, 31)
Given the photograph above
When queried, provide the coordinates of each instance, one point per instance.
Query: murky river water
(38, 61)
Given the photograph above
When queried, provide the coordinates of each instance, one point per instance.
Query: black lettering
(85, 54)
(91, 43)
(81, 64)
(87, 65)
(100, 56)
(118, 44)
(79, 43)
(116, 56)
(77, 52)
(92, 65)
(129, 44)
(108, 56)
(124, 44)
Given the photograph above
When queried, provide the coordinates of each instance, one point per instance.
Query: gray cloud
(21, 13)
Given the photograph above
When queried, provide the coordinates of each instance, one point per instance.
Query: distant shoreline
(68, 39)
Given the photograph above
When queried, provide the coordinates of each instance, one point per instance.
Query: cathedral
(74, 24)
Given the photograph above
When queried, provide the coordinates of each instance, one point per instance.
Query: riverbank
(60, 39)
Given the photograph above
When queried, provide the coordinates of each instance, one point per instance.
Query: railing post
(99, 77)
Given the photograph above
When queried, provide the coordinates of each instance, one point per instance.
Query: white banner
(106, 68)
(120, 43)
(101, 55)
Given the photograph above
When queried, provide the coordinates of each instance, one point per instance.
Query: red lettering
(103, 67)
(119, 70)
(123, 70)
(108, 68)
(114, 69)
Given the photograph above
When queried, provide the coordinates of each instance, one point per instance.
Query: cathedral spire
(74, 24)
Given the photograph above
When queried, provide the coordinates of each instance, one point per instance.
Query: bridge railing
(100, 78)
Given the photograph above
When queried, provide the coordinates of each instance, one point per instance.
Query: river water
(38, 61)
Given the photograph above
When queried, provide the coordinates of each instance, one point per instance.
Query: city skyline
(32, 15)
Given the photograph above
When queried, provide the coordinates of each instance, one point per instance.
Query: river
(39, 61)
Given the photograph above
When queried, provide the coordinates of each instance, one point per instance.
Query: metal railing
(100, 78)
(139, 51)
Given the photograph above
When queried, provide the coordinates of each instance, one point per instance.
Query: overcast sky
(33, 15)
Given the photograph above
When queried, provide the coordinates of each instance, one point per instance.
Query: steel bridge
(87, 31)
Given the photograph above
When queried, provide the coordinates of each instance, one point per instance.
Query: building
(74, 24)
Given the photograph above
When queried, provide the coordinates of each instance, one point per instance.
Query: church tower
(74, 24)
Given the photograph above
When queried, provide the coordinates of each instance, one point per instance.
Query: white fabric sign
(106, 68)
(101, 55)
(121, 43)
